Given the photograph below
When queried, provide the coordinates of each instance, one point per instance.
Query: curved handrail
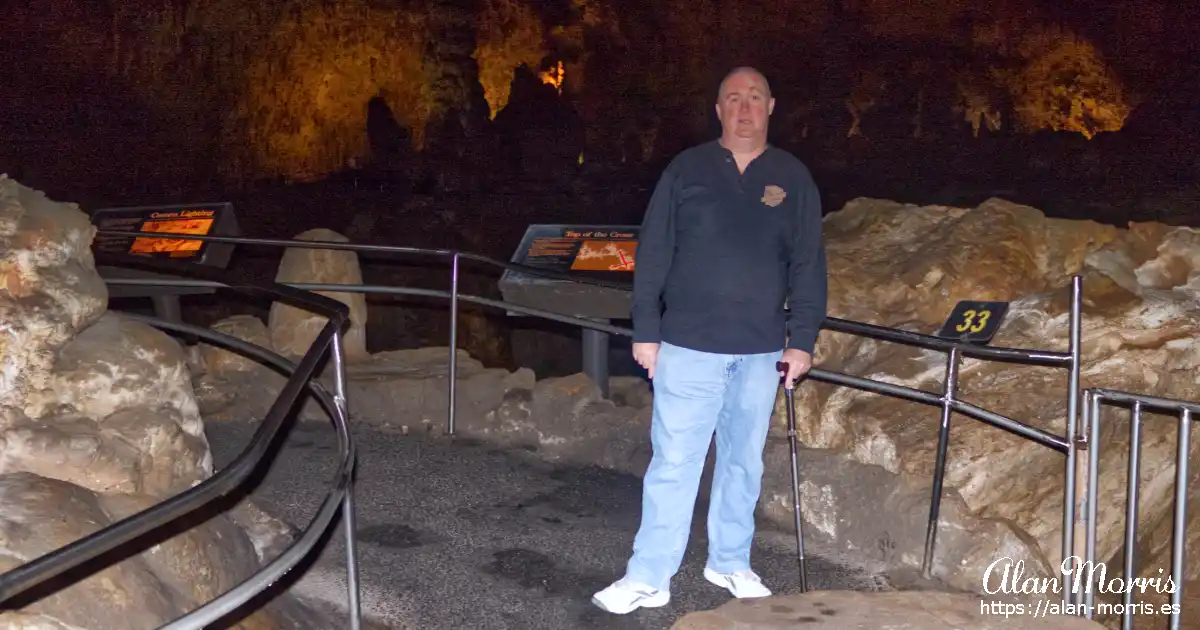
(1017, 355)
(38, 571)
(307, 541)
(1045, 438)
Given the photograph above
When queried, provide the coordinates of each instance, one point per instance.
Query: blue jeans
(695, 394)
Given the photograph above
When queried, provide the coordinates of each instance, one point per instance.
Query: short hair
(740, 70)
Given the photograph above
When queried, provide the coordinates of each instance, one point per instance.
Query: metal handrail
(72, 555)
(947, 400)
(954, 349)
(831, 323)
(340, 489)
(1093, 399)
(22, 579)
(1049, 440)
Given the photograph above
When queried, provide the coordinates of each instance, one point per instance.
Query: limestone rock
(132, 380)
(567, 418)
(852, 610)
(98, 421)
(225, 364)
(841, 501)
(269, 535)
(133, 450)
(160, 584)
(408, 388)
(224, 373)
(631, 391)
(292, 329)
(906, 267)
(118, 363)
(199, 564)
(404, 389)
(41, 515)
(49, 288)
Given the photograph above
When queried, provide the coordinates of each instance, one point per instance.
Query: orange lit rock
(510, 34)
(1064, 84)
(303, 111)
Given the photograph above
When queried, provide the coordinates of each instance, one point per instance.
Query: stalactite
(301, 112)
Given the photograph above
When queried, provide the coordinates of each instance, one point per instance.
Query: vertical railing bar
(1131, 511)
(452, 369)
(1069, 479)
(1093, 491)
(939, 470)
(349, 521)
(1179, 527)
(1079, 509)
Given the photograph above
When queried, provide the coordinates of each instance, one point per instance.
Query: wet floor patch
(537, 571)
(305, 443)
(395, 536)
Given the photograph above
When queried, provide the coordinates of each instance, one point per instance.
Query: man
(733, 230)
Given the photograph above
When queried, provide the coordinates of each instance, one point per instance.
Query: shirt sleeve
(652, 260)
(809, 284)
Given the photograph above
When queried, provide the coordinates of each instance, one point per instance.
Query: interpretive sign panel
(973, 321)
(579, 249)
(602, 252)
(210, 219)
(201, 219)
(599, 252)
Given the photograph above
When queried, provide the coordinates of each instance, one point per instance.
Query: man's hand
(798, 362)
(646, 354)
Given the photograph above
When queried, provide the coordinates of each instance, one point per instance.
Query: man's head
(744, 105)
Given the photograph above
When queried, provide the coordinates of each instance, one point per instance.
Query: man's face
(743, 106)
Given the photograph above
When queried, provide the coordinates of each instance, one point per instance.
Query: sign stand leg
(595, 357)
(167, 307)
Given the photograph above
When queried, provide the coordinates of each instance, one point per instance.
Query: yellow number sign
(974, 321)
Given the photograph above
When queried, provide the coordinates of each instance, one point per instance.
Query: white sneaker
(624, 596)
(742, 584)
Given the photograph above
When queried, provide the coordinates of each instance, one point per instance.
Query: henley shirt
(721, 251)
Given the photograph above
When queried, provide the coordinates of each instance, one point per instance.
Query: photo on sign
(175, 246)
(605, 256)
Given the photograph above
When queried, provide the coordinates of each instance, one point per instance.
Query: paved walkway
(456, 535)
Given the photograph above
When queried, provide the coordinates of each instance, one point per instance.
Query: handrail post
(348, 517)
(1093, 492)
(1070, 478)
(452, 367)
(1179, 520)
(1131, 510)
(939, 470)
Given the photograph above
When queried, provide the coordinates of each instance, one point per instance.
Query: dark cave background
(415, 123)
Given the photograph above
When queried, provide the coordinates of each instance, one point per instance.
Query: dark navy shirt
(720, 253)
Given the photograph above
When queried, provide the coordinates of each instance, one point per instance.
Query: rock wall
(905, 266)
(98, 421)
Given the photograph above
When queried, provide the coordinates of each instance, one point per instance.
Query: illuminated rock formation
(1064, 84)
(975, 103)
(510, 34)
(866, 94)
(303, 109)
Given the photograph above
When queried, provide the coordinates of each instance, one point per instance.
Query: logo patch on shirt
(773, 195)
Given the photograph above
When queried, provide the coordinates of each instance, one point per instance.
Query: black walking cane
(791, 416)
